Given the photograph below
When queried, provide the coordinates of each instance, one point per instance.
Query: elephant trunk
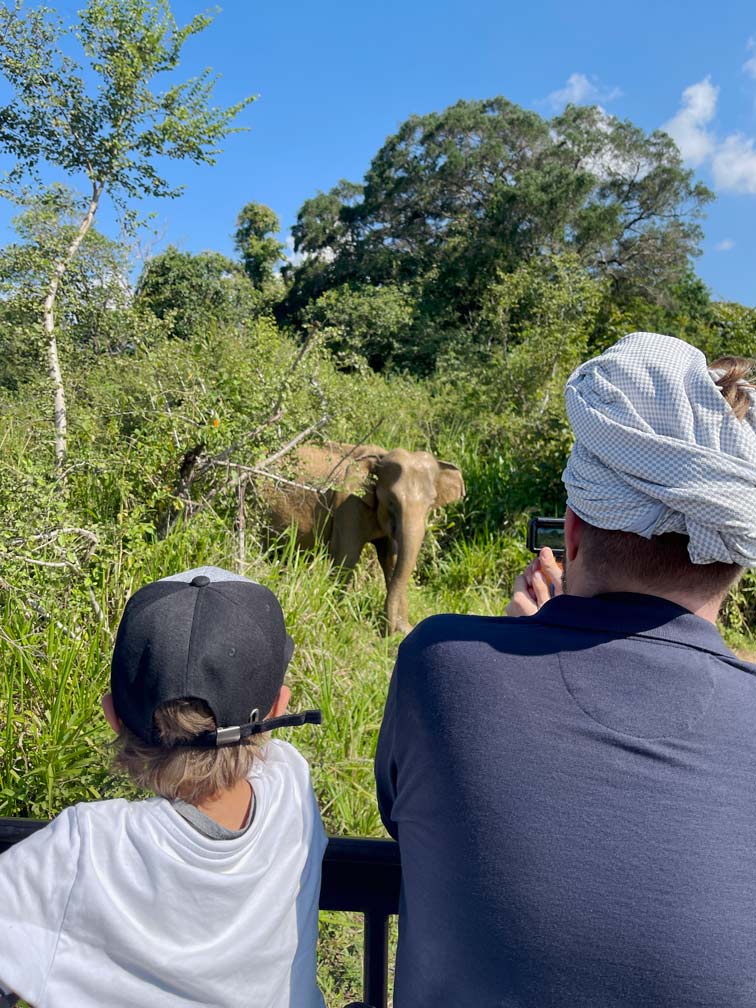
(410, 535)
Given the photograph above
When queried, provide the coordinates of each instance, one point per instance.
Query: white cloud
(732, 160)
(749, 66)
(734, 165)
(581, 90)
(725, 245)
(608, 161)
(577, 89)
(289, 255)
(292, 258)
(688, 127)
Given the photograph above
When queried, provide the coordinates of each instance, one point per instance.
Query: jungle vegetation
(438, 303)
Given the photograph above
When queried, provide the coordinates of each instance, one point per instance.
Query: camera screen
(550, 536)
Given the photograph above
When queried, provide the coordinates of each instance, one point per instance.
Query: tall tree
(254, 240)
(104, 119)
(93, 293)
(455, 197)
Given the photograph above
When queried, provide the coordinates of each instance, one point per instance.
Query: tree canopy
(93, 293)
(457, 197)
(194, 292)
(111, 131)
(254, 240)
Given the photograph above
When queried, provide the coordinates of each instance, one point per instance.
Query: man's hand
(540, 581)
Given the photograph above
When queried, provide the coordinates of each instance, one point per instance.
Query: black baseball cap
(208, 634)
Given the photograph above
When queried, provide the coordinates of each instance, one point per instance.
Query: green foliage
(194, 293)
(733, 330)
(69, 561)
(53, 738)
(718, 328)
(488, 250)
(455, 198)
(506, 403)
(114, 131)
(370, 322)
(739, 614)
(687, 313)
(93, 297)
(254, 241)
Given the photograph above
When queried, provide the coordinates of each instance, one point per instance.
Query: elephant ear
(449, 484)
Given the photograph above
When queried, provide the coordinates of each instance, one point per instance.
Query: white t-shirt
(124, 904)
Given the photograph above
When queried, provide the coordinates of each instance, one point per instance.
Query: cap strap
(233, 734)
(284, 721)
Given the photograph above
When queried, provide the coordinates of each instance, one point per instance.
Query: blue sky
(335, 78)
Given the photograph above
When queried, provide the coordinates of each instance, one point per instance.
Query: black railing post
(375, 960)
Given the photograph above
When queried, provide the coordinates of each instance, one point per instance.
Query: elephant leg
(352, 525)
(396, 608)
(345, 550)
(386, 550)
(345, 558)
(397, 612)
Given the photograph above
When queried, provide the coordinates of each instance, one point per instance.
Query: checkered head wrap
(658, 449)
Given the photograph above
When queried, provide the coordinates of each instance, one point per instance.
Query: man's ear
(110, 712)
(573, 533)
(280, 703)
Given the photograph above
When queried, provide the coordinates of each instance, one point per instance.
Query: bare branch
(269, 475)
(63, 530)
(58, 564)
(227, 452)
(99, 613)
(241, 525)
(295, 441)
(353, 449)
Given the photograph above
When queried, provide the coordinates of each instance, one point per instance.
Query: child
(206, 895)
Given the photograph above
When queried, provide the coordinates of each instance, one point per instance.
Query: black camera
(546, 532)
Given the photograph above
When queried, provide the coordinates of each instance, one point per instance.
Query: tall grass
(55, 738)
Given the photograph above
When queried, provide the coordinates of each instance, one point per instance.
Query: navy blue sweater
(574, 795)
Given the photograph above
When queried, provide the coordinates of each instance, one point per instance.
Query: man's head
(661, 481)
(197, 671)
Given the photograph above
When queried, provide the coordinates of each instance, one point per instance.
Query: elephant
(354, 494)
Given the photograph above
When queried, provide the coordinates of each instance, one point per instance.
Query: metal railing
(359, 875)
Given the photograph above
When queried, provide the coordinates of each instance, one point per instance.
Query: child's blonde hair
(180, 771)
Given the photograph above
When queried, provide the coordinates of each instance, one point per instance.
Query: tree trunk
(48, 318)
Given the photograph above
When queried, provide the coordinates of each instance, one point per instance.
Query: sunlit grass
(54, 736)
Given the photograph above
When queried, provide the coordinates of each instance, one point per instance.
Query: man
(573, 786)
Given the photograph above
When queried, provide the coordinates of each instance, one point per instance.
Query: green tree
(327, 237)
(195, 291)
(253, 239)
(686, 312)
(93, 294)
(733, 329)
(372, 323)
(455, 197)
(111, 131)
(507, 400)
